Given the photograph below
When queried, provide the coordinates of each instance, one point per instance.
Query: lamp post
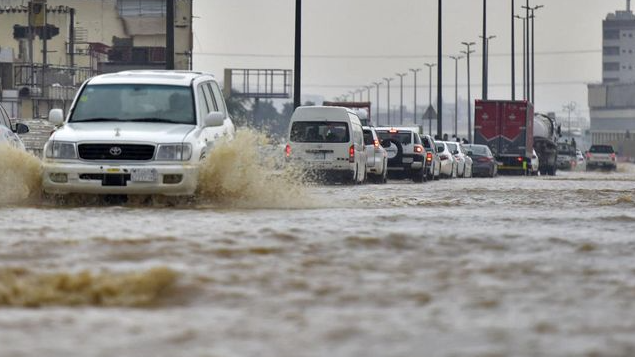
(297, 78)
(430, 66)
(485, 44)
(456, 94)
(513, 52)
(401, 75)
(467, 53)
(352, 93)
(368, 92)
(388, 80)
(377, 84)
(524, 55)
(440, 71)
(414, 72)
(486, 66)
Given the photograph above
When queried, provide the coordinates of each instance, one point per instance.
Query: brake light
(351, 154)
(393, 131)
(613, 156)
(376, 143)
(588, 155)
(418, 149)
(429, 157)
(287, 150)
(520, 159)
(484, 159)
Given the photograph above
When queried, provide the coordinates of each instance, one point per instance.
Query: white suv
(136, 132)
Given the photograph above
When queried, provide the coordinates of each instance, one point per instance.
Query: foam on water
(20, 175)
(24, 288)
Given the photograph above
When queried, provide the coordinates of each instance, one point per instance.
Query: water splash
(20, 176)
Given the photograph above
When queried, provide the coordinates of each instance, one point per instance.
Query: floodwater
(510, 266)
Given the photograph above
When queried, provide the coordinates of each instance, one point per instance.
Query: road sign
(430, 114)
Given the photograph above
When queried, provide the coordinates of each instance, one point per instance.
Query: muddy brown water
(510, 266)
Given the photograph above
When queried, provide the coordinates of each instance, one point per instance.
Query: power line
(393, 56)
(550, 83)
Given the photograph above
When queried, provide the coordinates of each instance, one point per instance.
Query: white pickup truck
(135, 132)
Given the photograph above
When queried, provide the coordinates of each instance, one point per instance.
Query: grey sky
(376, 39)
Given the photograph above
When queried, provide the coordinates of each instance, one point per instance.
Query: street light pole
(524, 56)
(513, 52)
(297, 78)
(430, 65)
(456, 94)
(377, 84)
(468, 52)
(484, 37)
(368, 92)
(414, 72)
(388, 80)
(401, 75)
(532, 78)
(486, 67)
(440, 71)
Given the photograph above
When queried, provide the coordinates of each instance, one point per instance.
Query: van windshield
(135, 103)
(319, 132)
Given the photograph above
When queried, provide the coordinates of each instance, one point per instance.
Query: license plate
(408, 160)
(320, 156)
(143, 175)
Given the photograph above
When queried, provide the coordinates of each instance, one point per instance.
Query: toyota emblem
(115, 151)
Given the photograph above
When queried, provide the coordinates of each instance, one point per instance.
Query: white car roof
(160, 77)
(322, 113)
(413, 129)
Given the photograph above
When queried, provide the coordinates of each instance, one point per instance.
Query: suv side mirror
(56, 116)
(21, 128)
(214, 119)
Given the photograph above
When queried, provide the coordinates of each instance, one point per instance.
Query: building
(49, 47)
(612, 102)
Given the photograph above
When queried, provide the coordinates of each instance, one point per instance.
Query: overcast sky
(350, 43)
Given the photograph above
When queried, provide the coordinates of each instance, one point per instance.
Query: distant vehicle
(136, 133)
(567, 159)
(9, 134)
(546, 135)
(463, 168)
(377, 158)
(449, 164)
(358, 108)
(405, 150)
(534, 165)
(433, 162)
(581, 160)
(601, 156)
(506, 127)
(484, 162)
(329, 142)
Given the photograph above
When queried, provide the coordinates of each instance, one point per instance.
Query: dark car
(484, 163)
(433, 162)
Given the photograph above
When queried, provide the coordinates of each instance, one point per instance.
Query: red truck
(507, 128)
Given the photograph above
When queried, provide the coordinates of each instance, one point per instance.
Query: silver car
(9, 134)
(376, 156)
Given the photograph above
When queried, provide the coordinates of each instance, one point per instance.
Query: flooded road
(509, 266)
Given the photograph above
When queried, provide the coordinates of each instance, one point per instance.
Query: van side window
(218, 96)
(203, 107)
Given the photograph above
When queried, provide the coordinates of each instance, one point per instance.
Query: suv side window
(212, 105)
(4, 119)
(417, 138)
(203, 106)
(218, 97)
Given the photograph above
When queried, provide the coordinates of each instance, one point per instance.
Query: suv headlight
(174, 152)
(61, 150)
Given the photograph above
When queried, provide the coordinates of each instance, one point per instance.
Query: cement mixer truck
(546, 134)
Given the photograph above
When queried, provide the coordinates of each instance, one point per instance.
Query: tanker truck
(546, 134)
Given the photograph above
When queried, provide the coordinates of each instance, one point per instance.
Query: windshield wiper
(154, 120)
(94, 119)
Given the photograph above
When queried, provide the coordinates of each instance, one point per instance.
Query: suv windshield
(601, 149)
(319, 132)
(135, 102)
(404, 137)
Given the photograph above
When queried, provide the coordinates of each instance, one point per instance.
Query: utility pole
(532, 78)
(430, 65)
(414, 72)
(352, 93)
(513, 52)
(528, 84)
(401, 75)
(297, 71)
(569, 108)
(484, 37)
(368, 92)
(456, 94)
(467, 53)
(377, 84)
(486, 65)
(440, 72)
(169, 35)
(388, 80)
(524, 56)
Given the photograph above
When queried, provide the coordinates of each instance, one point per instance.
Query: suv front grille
(116, 152)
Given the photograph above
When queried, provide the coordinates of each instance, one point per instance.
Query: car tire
(418, 176)
(397, 160)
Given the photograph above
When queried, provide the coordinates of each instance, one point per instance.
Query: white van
(329, 142)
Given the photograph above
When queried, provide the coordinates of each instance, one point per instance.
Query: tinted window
(417, 139)
(441, 148)
(203, 107)
(319, 132)
(135, 102)
(405, 137)
(4, 119)
(218, 96)
(368, 138)
(601, 149)
(211, 102)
